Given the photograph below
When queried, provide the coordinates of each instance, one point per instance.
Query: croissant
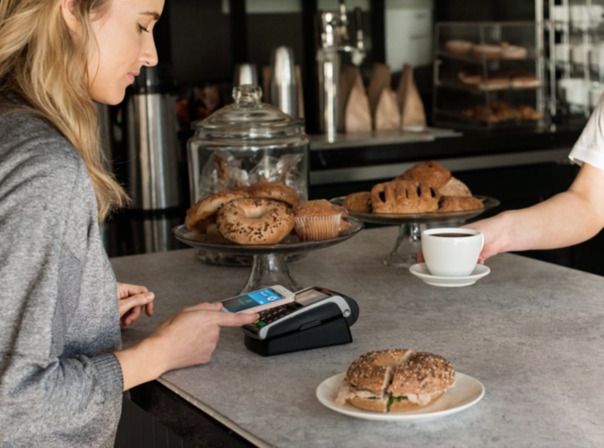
(404, 196)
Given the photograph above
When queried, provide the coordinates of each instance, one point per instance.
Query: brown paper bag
(353, 105)
(357, 117)
(380, 79)
(413, 116)
(387, 115)
(382, 100)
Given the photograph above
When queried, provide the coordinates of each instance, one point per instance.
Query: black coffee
(452, 235)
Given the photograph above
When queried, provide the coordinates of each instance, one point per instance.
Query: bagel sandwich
(397, 379)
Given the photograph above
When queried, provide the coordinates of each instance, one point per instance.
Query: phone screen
(251, 299)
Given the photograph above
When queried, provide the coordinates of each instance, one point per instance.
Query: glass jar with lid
(247, 142)
(244, 143)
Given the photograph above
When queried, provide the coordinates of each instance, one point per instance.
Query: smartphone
(259, 300)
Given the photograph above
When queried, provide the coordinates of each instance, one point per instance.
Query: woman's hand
(494, 232)
(132, 300)
(187, 338)
(190, 336)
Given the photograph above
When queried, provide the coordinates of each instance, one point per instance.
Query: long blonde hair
(43, 64)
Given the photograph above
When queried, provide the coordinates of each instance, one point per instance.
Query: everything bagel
(255, 221)
(208, 206)
(275, 191)
(395, 380)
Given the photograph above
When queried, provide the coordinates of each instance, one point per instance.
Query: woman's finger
(149, 308)
(128, 289)
(138, 300)
(215, 306)
(132, 315)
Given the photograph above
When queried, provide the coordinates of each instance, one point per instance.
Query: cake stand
(410, 226)
(269, 266)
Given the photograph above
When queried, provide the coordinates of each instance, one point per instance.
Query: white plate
(421, 271)
(466, 392)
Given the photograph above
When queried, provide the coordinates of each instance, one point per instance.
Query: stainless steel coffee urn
(152, 147)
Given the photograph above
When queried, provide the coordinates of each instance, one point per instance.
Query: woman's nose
(149, 53)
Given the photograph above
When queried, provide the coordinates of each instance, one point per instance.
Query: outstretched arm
(565, 219)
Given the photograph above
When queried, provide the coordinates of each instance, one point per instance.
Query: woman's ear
(68, 12)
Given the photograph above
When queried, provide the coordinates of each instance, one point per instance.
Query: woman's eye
(142, 29)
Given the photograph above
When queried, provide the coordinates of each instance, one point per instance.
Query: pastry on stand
(425, 195)
(269, 222)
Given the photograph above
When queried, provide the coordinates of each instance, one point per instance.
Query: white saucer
(420, 270)
(466, 392)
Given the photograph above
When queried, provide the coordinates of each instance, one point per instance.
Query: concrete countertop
(531, 332)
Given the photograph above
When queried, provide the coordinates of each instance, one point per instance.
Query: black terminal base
(332, 332)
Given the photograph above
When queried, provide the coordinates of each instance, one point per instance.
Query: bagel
(208, 206)
(275, 191)
(255, 221)
(395, 380)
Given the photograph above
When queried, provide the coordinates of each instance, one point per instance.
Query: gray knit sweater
(60, 384)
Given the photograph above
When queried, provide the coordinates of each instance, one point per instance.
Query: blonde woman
(61, 373)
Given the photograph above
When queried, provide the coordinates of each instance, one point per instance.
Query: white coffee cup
(451, 251)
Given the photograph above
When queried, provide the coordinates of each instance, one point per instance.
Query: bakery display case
(488, 75)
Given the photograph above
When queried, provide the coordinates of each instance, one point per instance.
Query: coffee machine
(337, 47)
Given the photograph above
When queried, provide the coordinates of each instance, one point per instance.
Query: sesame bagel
(275, 191)
(255, 221)
(395, 380)
(208, 206)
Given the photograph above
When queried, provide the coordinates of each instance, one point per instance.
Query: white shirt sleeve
(590, 146)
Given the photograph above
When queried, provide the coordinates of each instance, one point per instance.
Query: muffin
(320, 220)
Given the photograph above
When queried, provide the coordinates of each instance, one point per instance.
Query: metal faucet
(335, 45)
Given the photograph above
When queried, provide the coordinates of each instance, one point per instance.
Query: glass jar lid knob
(247, 94)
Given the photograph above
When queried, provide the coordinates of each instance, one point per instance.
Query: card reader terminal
(312, 307)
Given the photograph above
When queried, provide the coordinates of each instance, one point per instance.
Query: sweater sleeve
(49, 392)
